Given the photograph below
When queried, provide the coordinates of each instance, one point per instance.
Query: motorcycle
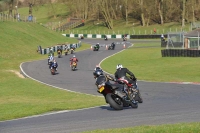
(116, 99)
(105, 38)
(59, 54)
(124, 39)
(133, 90)
(66, 51)
(82, 37)
(111, 47)
(50, 59)
(72, 50)
(96, 48)
(53, 70)
(73, 66)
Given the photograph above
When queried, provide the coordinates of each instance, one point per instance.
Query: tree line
(147, 12)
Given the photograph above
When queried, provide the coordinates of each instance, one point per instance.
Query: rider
(51, 52)
(97, 46)
(50, 59)
(54, 64)
(59, 49)
(73, 46)
(73, 59)
(98, 68)
(121, 72)
(113, 45)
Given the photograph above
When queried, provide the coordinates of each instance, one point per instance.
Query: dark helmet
(97, 73)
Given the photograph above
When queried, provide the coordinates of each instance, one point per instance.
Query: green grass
(148, 64)
(22, 97)
(120, 27)
(169, 128)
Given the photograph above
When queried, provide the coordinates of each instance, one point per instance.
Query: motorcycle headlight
(99, 86)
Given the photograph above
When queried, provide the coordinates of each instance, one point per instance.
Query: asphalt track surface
(164, 103)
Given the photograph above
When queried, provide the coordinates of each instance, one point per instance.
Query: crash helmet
(74, 56)
(97, 73)
(119, 66)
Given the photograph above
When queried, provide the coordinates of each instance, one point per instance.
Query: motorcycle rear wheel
(114, 101)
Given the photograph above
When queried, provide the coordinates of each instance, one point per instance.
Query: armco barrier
(180, 53)
(54, 48)
(96, 36)
(154, 36)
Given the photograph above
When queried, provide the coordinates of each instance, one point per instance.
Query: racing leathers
(59, 49)
(74, 59)
(55, 65)
(121, 72)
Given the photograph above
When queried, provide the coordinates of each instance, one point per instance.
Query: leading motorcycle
(117, 99)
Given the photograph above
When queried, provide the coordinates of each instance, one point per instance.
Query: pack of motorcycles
(130, 96)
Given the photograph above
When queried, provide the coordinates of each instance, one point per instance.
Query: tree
(183, 12)
(160, 10)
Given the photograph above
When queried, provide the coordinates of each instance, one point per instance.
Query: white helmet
(119, 66)
(74, 56)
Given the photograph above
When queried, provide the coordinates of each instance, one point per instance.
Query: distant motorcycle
(73, 66)
(72, 50)
(53, 70)
(96, 48)
(50, 59)
(105, 38)
(59, 54)
(124, 39)
(66, 51)
(111, 47)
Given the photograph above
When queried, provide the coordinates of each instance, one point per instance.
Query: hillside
(19, 41)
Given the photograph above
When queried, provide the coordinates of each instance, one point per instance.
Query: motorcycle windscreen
(100, 80)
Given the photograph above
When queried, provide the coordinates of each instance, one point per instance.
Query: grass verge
(169, 128)
(22, 97)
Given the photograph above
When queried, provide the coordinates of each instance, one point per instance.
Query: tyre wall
(180, 53)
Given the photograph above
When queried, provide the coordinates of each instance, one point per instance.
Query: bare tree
(160, 10)
(106, 12)
(183, 12)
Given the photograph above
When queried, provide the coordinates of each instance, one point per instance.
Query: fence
(16, 18)
(54, 48)
(130, 32)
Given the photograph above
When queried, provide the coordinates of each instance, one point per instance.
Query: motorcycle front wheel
(114, 101)
(53, 71)
(138, 97)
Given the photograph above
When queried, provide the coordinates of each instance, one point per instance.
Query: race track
(163, 102)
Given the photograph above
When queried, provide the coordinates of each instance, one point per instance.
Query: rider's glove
(134, 79)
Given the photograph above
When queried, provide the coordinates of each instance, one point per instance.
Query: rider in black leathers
(121, 72)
